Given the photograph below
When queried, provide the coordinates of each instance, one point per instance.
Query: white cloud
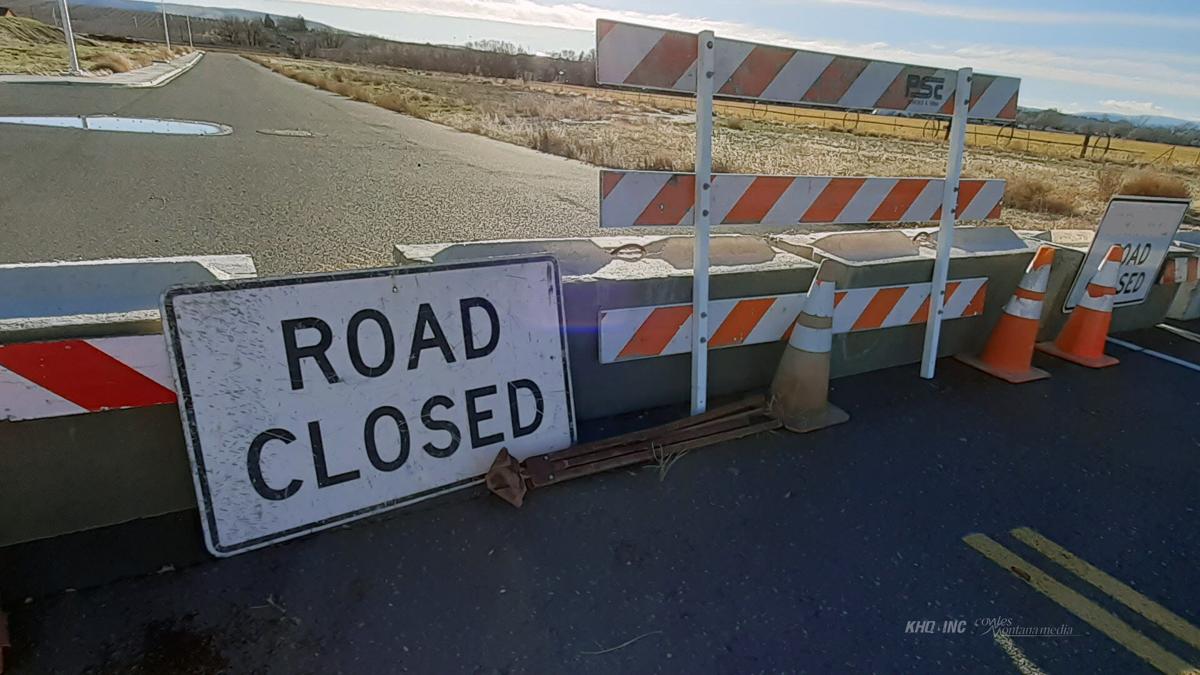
(571, 16)
(1131, 107)
(1116, 70)
(1035, 16)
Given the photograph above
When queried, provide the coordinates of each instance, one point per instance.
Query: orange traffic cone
(1009, 351)
(1082, 339)
(800, 390)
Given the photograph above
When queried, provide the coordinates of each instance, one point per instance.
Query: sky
(1139, 58)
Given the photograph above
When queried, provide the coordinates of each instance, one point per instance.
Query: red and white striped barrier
(629, 55)
(645, 332)
(1180, 271)
(68, 377)
(657, 198)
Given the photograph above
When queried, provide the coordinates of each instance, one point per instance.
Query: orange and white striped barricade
(70, 377)
(629, 55)
(1183, 272)
(646, 332)
(646, 57)
(660, 198)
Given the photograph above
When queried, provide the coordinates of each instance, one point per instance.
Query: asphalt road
(369, 179)
(819, 553)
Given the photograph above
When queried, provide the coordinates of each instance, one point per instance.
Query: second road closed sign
(1143, 227)
(314, 400)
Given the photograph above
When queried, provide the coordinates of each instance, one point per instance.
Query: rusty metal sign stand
(511, 480)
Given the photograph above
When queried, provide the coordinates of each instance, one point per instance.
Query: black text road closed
(313, 400)
(1143, 227)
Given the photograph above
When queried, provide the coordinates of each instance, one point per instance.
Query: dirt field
(608, 131)
(31, 47)
(1059, 144)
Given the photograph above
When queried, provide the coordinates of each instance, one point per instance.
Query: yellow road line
(1173, 623)
(1070, 600)
(1022, 662)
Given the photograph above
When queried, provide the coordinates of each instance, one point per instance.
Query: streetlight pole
(166, 31)
(188, 18)
(70, 35)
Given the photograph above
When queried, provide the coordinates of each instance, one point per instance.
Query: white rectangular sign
(1143, 227)
(313, 400)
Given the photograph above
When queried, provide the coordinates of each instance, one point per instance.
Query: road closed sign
(314, 400)
(1143, 227)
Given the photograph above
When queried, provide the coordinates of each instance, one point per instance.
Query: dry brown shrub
(401, 104)
(659, 160)
(1154, 184)
(1108, 182)
(112, 61)
(1034, 194)
(554, 142)
(338, 87)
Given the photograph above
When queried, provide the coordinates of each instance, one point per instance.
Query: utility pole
(188, 18)
(166, 32)
(70, 35)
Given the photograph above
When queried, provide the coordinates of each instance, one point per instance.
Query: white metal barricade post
(950, 192)
(704, 128)
(703, 65)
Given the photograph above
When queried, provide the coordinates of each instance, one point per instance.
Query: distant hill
(1137, 120)
(193, 11)
(93, 9)
(1153, 128)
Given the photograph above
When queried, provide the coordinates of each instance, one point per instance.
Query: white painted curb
(171, 75)
(158, 81)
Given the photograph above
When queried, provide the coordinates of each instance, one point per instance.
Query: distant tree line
(1054, 120)
(290, 34)
(247, 33)
(486, 58)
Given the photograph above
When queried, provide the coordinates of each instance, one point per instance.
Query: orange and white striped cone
(1082, 339)
(800, 390)
(1008, 354)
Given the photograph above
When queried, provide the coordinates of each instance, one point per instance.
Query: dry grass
(110, 61)
(733, 123)
(1108, 182)
(1039, 196)
(31, 47)
(1155, 184)
(401, 104)
(614, 132)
